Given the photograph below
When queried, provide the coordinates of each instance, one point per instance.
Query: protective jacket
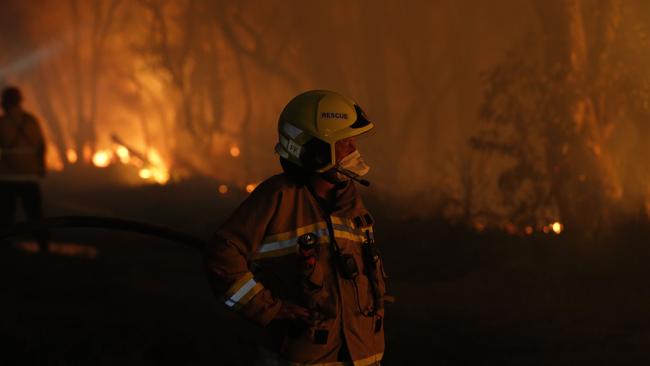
(282, 244)
(22, 148)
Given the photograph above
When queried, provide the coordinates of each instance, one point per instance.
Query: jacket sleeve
(38, 141)
(228, 253)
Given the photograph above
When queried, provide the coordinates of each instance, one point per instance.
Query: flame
(160, 175)
(152, 169)
(250, 187)
(557, 227)
(123, 153)
(223, 189)
(158, 169)
(102, 158)
(53, 161)
(154, 157)
(145, 173)
(87, 153)
(71, 155)
(234, 151)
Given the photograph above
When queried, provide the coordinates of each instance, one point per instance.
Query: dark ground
(462, 298)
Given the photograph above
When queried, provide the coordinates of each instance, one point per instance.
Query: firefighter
(298, 256)
(22, 163)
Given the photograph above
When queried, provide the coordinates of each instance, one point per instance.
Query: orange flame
(145, 173)
(102, 158)
(71, 155)
(159, 171)
(123, 154)
(557, 227)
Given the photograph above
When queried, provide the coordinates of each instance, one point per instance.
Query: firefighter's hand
(292, 311)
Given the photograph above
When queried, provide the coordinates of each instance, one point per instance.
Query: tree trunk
(580, 168)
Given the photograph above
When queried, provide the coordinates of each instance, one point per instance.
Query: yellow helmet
(312, 123)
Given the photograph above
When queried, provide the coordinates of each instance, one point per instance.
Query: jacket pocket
(315, 294)
(364, 295)
(313, 277)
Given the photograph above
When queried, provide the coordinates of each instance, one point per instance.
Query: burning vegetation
(568, 109)
(548, 129)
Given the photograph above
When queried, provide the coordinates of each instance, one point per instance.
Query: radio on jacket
(347, 266)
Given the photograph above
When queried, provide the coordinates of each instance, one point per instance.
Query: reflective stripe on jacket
(256, 261)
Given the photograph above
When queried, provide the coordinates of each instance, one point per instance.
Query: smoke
(196, 79)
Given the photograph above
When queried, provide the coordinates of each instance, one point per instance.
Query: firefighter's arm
(39, 144)
(227, 258)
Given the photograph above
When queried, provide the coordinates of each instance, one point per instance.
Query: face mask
(353, 163)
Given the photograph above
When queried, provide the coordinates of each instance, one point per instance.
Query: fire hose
(109, 223)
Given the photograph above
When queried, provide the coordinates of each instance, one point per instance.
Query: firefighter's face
(345, 147)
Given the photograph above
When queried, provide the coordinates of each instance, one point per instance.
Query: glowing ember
(250, 187)
(123, 153)
(101, 159)
(145, 174)
(556, 227)
(510, 228)
(234, 151)
(71, 155)
(223, 189)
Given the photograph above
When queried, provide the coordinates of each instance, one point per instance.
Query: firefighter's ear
(315, 155)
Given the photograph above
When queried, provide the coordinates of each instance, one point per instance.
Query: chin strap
(352, 175)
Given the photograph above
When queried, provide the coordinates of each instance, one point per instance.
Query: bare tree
(87, 70)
